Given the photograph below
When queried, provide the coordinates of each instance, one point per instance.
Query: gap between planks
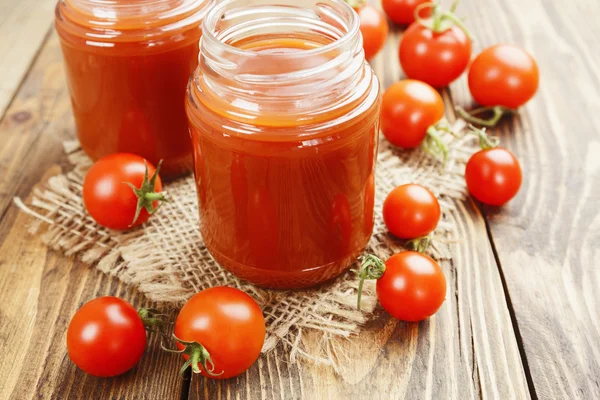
(511, 310)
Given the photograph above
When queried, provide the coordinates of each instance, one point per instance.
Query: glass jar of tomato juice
(128, 63)
(284, 112)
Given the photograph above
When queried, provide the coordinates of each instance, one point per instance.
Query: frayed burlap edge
(167, 261)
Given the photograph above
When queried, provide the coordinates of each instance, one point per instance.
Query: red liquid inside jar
(128, 64)
(284, 125)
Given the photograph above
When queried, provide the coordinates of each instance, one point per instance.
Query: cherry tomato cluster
(434, 51)
(410, 285)
(219, 331)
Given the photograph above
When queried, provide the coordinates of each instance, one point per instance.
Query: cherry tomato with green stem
(502, 78)
(107, 337)
(412, 114)
(220, 332)
(374, 30)
(411, 211)
(118, 193)
(435, 50)
(493, 174)
(402, 12)
(410, 285)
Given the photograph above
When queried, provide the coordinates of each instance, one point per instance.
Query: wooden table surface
(522, 321)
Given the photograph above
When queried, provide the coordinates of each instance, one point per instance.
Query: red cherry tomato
(411, 211)
(435, 58)
(403, 11)
(228, 324)
(108, 198)
(409, 108)
(374, 30)
(493, 176)
(106, 337)
(413, 286)
(503, 75)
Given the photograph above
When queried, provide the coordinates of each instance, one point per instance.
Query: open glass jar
(128, 63)
(283, 111)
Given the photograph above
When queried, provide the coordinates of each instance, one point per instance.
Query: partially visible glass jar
(128, 63)
(284, 117)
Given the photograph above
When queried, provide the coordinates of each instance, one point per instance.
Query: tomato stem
(440, 20)
(420, 244)
(499, 111)
(436, 19)
(458, 22)
(154, 196)
(371, 267)
(145, 193)
(154, 321)
(434, 145)
(151, 317)
(454, 6)
(197, 355)
(485, 141)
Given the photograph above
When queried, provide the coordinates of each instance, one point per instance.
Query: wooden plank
(467, 350)
(40, 289)
(546, 239)
(23, 27)
(41, 109)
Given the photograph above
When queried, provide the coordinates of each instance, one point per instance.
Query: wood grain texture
(547, 238)
(35, 114)
(23, 26)
(40, 289)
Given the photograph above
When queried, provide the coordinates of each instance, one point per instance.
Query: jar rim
(159, 12)
(217, 12)
(118, 21)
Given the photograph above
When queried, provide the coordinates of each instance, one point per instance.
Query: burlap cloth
(166, 258)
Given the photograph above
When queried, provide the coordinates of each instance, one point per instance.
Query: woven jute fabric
(167, 260)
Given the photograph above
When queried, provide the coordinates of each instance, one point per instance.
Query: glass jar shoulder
(108, 29)
(292, 120)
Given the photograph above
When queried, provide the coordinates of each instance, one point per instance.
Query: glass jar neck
(273, 62)
(110, 21)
